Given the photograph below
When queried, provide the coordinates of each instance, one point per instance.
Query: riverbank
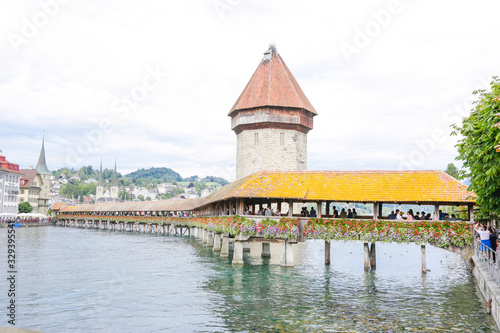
(28, 224)
(488, 287)
(77, 280)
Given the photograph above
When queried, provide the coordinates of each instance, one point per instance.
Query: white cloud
(380, 105)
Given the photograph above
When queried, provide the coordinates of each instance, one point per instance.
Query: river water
(79, 280)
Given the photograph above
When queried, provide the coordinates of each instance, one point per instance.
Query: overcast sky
(151, 82)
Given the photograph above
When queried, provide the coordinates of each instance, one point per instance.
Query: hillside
(81, 183)
(165, 174)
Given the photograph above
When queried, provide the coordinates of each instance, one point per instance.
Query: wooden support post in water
(266, 250)
(424, 265)
(373, 256)
(224, 251)
(210, 239)
(238, 253)
(216, 242)
(327, 253)
(287, 259)
(366, 256)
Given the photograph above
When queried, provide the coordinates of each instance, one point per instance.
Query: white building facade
(9, 188)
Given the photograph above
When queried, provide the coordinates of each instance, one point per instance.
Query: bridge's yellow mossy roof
(357, 186)
(424, 187)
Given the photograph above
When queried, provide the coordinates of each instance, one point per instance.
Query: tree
(89, 189)
(452, 170)
(25, 207)
(479, 148)
(140, 197)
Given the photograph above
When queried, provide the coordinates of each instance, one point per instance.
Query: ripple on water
(90, 280)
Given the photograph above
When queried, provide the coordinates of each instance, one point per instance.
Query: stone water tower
(271, 119)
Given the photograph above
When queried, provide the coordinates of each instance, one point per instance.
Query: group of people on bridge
(26, 220)
(488, 237)
(411, 216)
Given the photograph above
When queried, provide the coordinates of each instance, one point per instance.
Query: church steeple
(114, 182)
(41, 167)
(99, 191)
(114, 185)
(100, 182)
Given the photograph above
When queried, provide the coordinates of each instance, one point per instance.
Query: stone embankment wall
(28, 224)
(489, 289)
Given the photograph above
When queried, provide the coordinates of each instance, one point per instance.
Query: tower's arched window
(282, 138)
(256, 138)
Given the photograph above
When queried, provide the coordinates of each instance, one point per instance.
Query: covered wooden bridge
(288, 191)
(292, 188)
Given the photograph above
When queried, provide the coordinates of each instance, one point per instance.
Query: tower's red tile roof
(272, 84)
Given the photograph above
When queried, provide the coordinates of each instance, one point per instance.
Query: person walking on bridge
(493, 242)
(484, 237)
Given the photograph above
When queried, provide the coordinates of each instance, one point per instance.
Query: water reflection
(92, 280)
(313, 297)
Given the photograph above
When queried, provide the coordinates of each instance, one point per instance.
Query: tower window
(256, 138)
(282, 138)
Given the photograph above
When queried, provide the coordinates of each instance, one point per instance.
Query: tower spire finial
(269, 53)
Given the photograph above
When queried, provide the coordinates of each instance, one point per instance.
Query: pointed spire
(115, 182)
(272, 84)
(100, 183)
(41, 167)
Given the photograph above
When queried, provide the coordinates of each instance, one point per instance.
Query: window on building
(282, 138)
(256, 138)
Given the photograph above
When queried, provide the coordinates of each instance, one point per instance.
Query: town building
(30, 188)
(271, 119)
(99, 190)
(207, 191)
(103, 195)
(9, 188)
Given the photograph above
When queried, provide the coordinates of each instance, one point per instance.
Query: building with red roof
(9, 188)
(30, 188)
